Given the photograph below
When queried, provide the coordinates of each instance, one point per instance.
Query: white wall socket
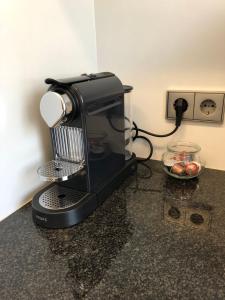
(202, 106)
(209, 107)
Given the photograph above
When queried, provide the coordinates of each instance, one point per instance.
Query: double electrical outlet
(202, 106)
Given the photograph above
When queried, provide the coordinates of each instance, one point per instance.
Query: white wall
(39, 39)
(157, 45)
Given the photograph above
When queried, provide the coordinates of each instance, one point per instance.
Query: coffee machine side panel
(102, 113)
(105, 140)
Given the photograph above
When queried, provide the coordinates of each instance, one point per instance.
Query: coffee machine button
(54, 108)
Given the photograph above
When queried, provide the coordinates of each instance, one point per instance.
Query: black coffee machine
(90, 137)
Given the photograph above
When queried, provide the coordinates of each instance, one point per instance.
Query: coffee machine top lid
(54, 108)
(84, 77)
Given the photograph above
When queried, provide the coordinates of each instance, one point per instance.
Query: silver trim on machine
(54, 108)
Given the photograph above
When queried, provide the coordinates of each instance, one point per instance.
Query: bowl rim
(192, 147)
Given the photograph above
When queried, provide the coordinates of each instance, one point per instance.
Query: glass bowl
(182, 160)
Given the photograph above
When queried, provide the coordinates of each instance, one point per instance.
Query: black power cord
(150, 147)
(180, 106)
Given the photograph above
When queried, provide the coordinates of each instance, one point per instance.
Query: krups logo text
(41, 218)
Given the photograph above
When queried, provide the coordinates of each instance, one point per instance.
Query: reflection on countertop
(181, 208)
(155, 238)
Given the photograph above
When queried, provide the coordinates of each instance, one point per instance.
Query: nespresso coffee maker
(91, 138)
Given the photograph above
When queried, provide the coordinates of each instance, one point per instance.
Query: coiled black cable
(180, 107)
(137, 136)
(150, 147)
(159, 135)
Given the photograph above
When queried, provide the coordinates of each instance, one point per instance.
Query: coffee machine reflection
(89, 250)
(99, 148)
(180, 207)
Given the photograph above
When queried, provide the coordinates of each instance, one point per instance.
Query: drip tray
(58, 170)
(57, 197)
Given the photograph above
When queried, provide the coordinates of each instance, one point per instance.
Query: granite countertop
(154, 238)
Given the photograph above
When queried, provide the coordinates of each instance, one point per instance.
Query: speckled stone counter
(154, 238)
